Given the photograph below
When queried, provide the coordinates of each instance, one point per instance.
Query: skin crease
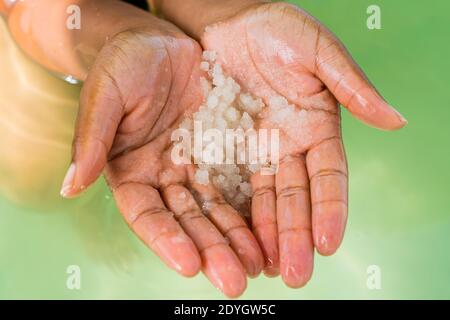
(144, 80)
(279, 50)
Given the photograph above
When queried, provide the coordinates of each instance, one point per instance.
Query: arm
(63, 49)
(206, 12)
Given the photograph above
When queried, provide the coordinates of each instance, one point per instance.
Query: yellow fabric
(152, 6)
(37, 115)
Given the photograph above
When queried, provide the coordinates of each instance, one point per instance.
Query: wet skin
(141, 85)
(279, 50)
(146, 78)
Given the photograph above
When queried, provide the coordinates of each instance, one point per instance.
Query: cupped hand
(277, 50)
(141, 85)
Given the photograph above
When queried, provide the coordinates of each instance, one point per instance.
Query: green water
(399, 190)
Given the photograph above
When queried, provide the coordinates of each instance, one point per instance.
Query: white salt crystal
(246, 188)
(204, 66)
(202, 176)
(205, 85)
(278, 102)
(218, 80)
(217, 70)
(221, 124)
(226, 107)
(212, 101)
(209, 55)
(231, 114)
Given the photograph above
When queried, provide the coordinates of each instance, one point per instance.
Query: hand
(142, 83)
(279, 50)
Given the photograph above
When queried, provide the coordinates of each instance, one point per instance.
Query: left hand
(279, 50)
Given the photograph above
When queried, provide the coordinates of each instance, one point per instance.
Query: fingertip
(223, 269)
(295, 277)
(372, 109)
(190, 267)
(298, 281)
(271, 271)
(88, 163)
(324, 247)
(327, 245)
(248, 251)
(69, 189)
(178, 253)
(267, 237)
(297, 259)
(71, 193)
(329, 229)
(388, 118)
(235, 288)
(401, 119)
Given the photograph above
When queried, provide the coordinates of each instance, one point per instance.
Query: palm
(143, 84)
(279, 50)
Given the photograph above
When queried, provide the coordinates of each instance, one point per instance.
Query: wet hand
(143, 82)
(279, 50)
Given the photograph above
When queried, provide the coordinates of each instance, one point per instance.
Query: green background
(399, 190)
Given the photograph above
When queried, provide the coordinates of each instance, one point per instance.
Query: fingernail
(67, 185)
(399, 115)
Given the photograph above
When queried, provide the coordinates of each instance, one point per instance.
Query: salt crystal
(246, 188)
(204, 66)
(212, 102)
(218, 80)
(226, 107)
(231, 114)
(202, 177)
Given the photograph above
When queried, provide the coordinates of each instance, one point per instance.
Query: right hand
(141, 84)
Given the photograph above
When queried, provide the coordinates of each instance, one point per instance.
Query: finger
(220, 264)
(294, 222)
(264, 220)
(327, 169)
(99, 116)
(145, 213)
(232, 225)
(336, 68)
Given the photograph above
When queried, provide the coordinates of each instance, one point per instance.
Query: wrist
(193, 16)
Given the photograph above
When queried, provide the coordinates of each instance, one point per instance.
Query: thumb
(99, 116)
(340, 73)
